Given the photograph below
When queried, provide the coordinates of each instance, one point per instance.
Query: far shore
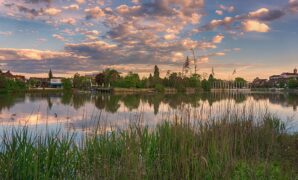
(166, 90)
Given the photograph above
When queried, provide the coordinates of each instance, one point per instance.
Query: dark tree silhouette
(156, 72)
(100, 79)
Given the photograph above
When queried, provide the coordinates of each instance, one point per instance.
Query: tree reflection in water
(112, 103)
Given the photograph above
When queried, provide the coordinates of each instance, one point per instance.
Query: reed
(226, 148)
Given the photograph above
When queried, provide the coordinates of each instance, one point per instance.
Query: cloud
(254, 18)
(265, 14)
(96, 50)
(205, 58)
(8, 33)
(38, 1)
(254, 26)
(70, 21)
(293, 6)
(94, 13)
(227, 8)
(135, 1)
(30, 54)
(169, 36)
(217, 39)
(29, 11)
(59, 37)
(219, 12)
(80, 1)
(52, 11)
(72, 7)
(2, 58)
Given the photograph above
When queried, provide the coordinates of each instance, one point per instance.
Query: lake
(83, 112)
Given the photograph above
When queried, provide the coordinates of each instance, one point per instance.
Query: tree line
(11, 85)
(177, 80)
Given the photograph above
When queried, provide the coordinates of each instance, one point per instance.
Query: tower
(50, 74)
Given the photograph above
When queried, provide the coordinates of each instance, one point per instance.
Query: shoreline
(154, 91)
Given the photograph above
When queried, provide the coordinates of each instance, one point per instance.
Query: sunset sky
(255, 37)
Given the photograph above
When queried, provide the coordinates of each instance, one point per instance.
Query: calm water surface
(82, 112)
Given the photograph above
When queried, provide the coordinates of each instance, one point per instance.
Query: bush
(159, 88)
(67, 84)
(206, 85)
(9, 85)
(292, 84)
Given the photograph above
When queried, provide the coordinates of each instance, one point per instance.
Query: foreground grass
(237, 149)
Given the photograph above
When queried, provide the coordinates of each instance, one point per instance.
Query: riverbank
(227, 149)
(43, 90)
(277, 90)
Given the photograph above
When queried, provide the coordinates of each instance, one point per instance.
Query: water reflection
(83, 110)
(111, 103)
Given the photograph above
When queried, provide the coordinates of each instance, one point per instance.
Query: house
(259, 83)
(7, 75)
(282, 79)
(56, 82)
(285, 75)
(10, 76)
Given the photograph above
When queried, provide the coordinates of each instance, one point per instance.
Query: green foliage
(206, 85)
(159, 88)
(131, 80)
(100, 79)
(9, 85)
(240, 82)
(111, 76)
(81, 82)
(67, 84)
(33, 83)
(238, 149)
(293, 84)
(194, 81)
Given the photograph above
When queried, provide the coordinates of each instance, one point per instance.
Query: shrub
(159, 88)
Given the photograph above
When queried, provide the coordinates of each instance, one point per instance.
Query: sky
(257, 38)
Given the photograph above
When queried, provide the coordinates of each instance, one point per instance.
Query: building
(10, 76)
(285, 75)
(56, 82)
(282, 79)
(259, 83)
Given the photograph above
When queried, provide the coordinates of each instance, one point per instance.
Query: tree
(67, 84)
(100, 79)
(111, 76)
(186, 65)
(292, 84)
(240, 82)
(206, 85)
(8, 85)
(194, 81)
(50, 74)
(211, 78)
(156, 73)
(77, 80)
(131, 80)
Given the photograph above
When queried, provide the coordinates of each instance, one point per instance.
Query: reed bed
(235, 146)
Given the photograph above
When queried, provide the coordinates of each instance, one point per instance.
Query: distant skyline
(258, 38)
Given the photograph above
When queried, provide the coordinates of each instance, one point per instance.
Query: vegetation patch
(176, 149)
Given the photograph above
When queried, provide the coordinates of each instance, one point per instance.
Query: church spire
(50, 74)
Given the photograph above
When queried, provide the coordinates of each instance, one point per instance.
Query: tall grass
(224, 149)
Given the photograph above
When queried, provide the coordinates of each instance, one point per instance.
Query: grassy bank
(44, 90)
(225, 149)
